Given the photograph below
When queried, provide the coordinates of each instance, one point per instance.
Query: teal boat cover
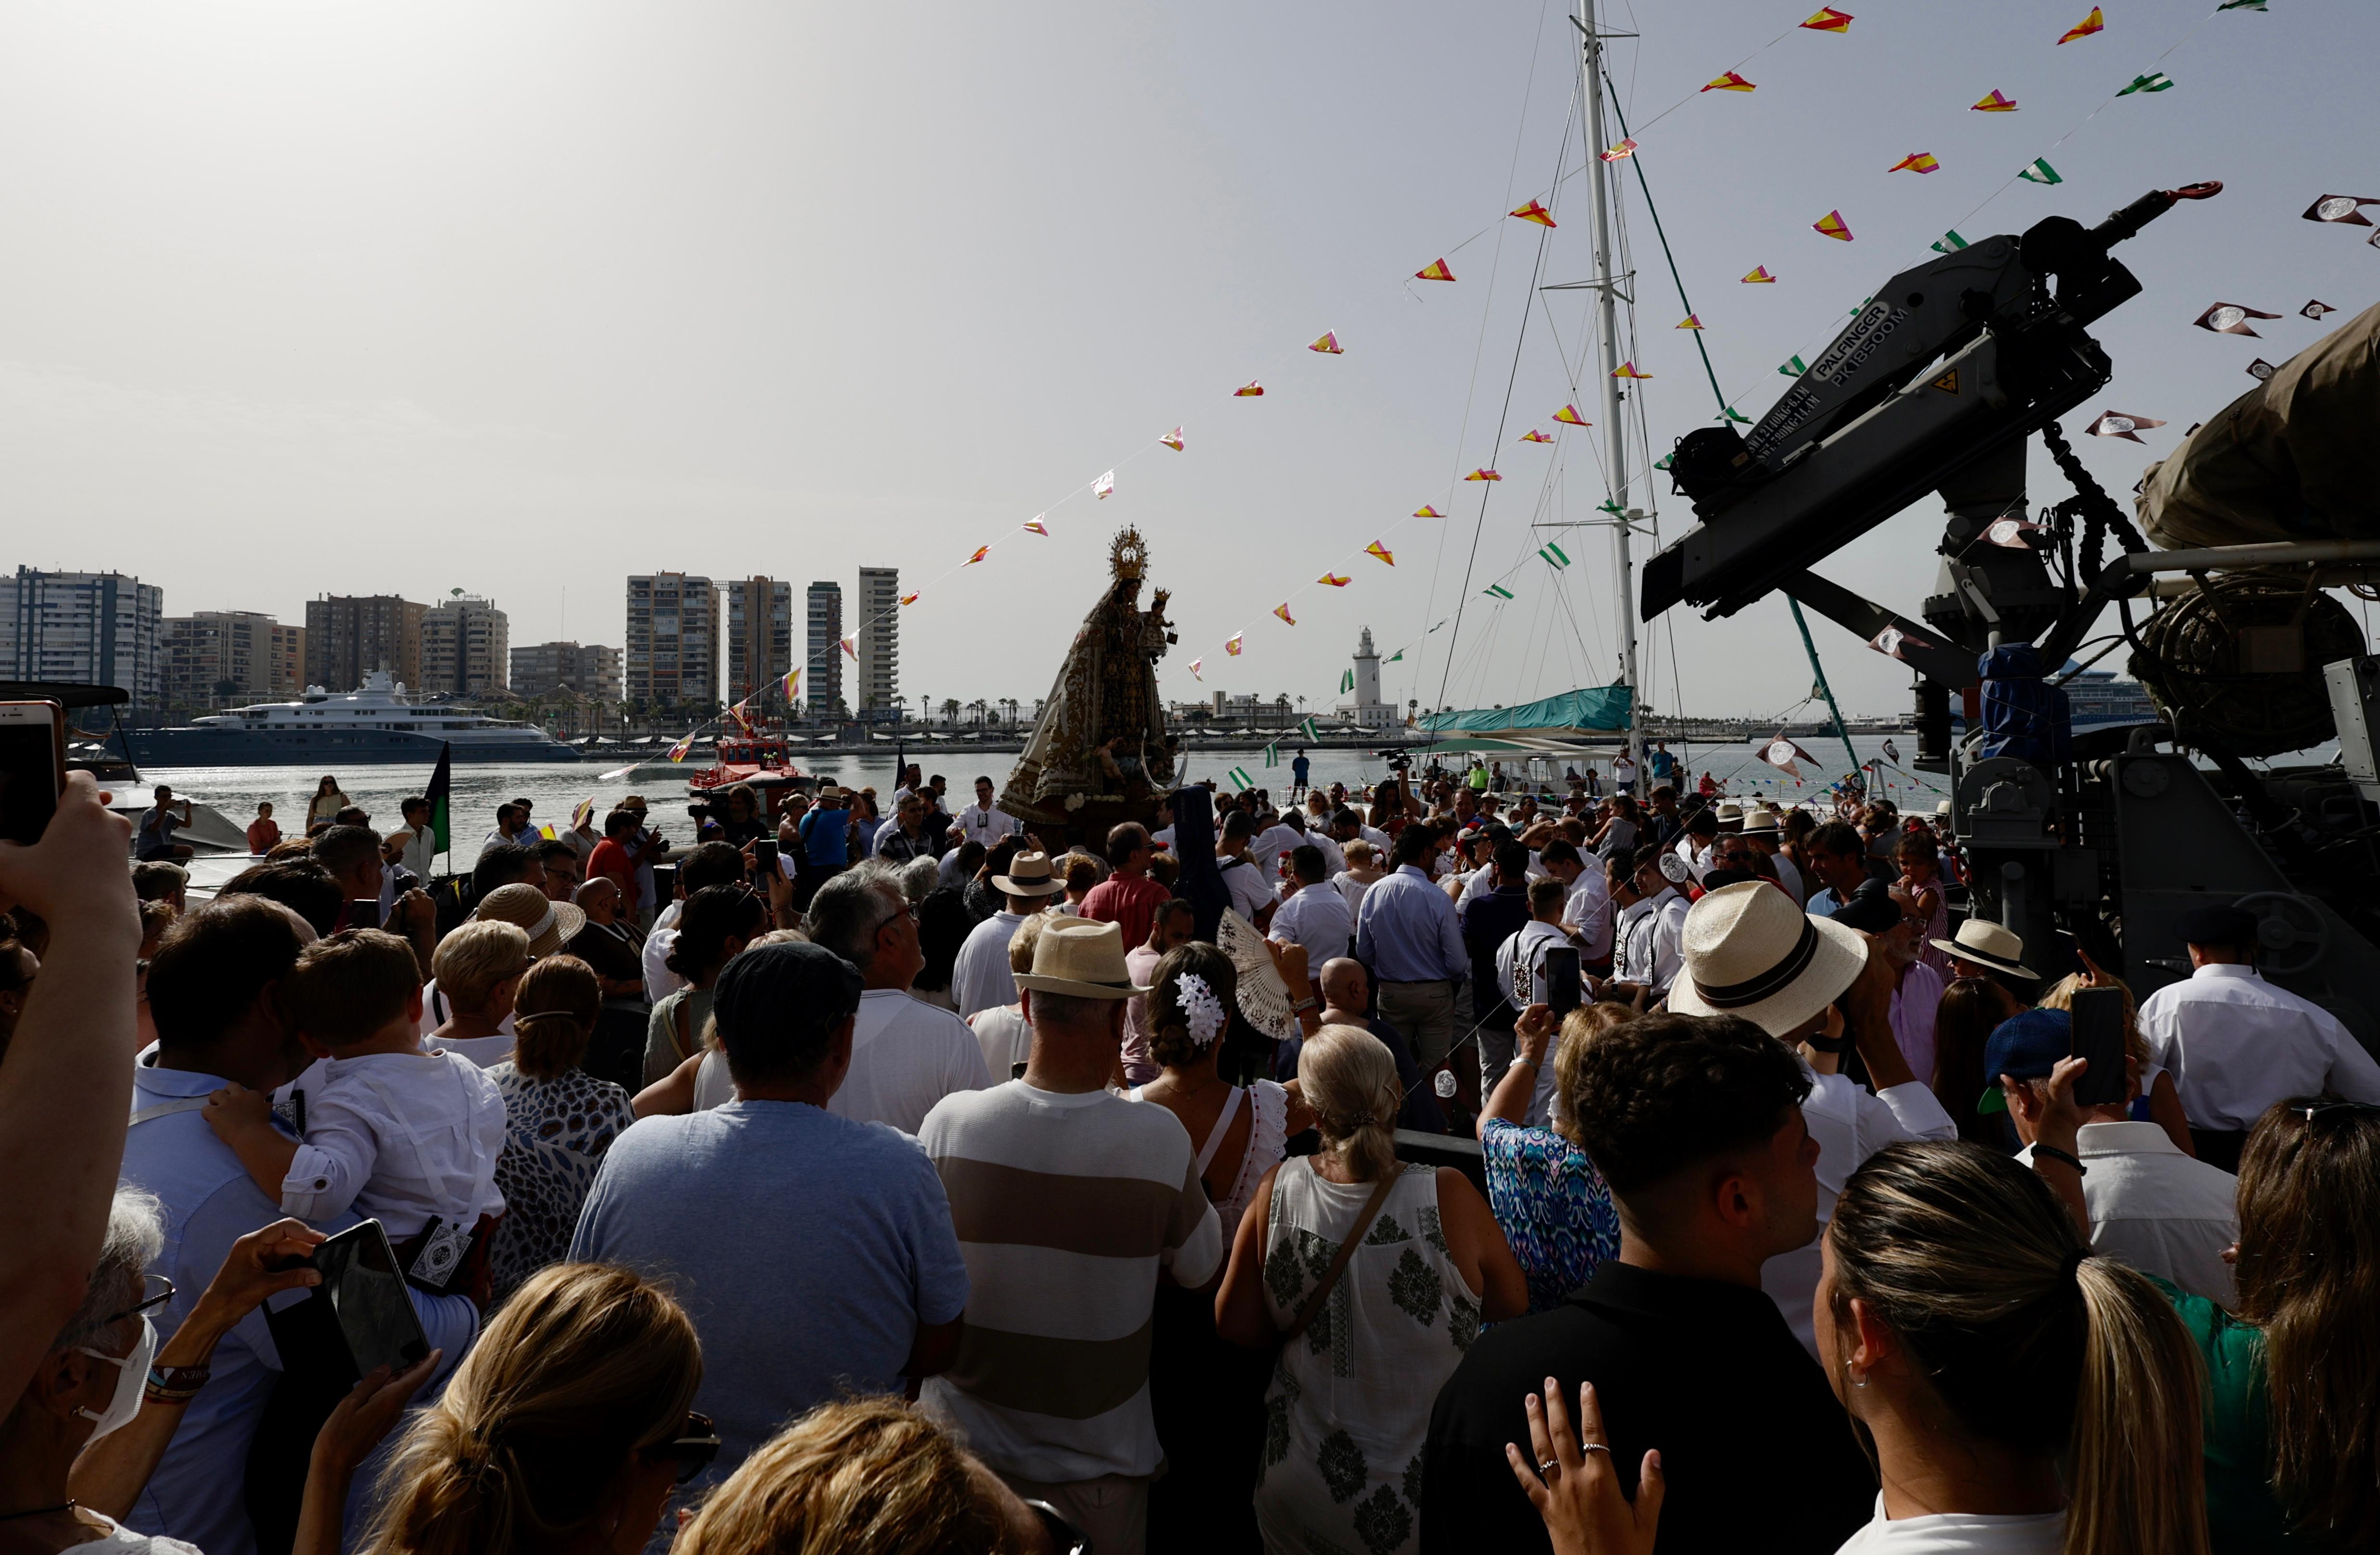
(1589, 710)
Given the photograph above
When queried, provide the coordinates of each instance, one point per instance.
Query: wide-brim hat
(1759, 821)
(549, 924)
(1029, 874)
(1986, 944)
(1730, 811)
(1749, 951)
(1081, 958)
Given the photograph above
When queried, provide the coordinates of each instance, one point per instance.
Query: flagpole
(1615, 444)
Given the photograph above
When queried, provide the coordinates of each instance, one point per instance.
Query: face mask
(131, 1375)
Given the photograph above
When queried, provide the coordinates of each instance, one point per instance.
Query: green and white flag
(1794, 367)
(1735, 415)
(2155, 80)
(1608, 505)
(1665, 461)
(2039, 172)
(1554, 555)
(1346, 682)
(1239, 778)
(1396, 656)
(1948, 243)
(1863, 306)
(1498, 590)
(1272, 754)
(1306, 729)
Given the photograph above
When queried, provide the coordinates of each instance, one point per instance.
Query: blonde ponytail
(2133, 1472)
(1349, 1078)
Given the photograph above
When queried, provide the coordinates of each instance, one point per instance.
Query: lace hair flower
(1201, 1008)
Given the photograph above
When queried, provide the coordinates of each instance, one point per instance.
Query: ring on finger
(1549, 1467)
(1595, 1447)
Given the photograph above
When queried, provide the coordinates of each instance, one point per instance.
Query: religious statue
(1099, 755)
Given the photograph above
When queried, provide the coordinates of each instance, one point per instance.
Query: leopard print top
(556, 1134)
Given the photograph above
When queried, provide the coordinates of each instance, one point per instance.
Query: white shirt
(1916, 1000)
(947, 874)
(421, 851)
(1959, 1532)
(1649, 941)
(1379, 839)
(2156, 1209)
(980, 978)
(1006, 1039)
(1589, 911)
(1251, 888)
(1317, 918)
(1482, 879)
(1697, 857)
(482, 1051)
(1352, 889)
(906, 1056)
(1623, 771)
(1334, 860)
(1850, 1122)
(1266, 848)
(660, 981)
(984, 824)
(399, 1137)
(2236, 1044)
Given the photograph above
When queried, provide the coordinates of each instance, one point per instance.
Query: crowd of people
(879, 1178)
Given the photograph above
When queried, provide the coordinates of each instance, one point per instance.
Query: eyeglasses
(1064, 1538)
(155, 1291)
(692, 1449)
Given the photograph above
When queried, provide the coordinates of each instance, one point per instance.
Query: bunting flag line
(1569, 417)
(1628, 369)
(1730, 83)
(1732, 414)
(1533, 435)
(2340, 208)
(911, 598)
(2315, 310)
(1239, 778)
(2039, 170)
(1232, 647)
(1346, 682)
(1250, 391)
(1376, 549)
(1329, 345)
(1172, 439)
(2115, 423)
(1554, 555)
(1035, 526)
(1832, 225)
(1194, 669)
(1759, 276)
(1105, 486)
(2261, 370)
(1994, 101)
(1425, 510)
(1483, 474)
(1334, 580)
(678, 752)
(981, 552)
(2095, 22)
(1306, 728)
(1780, 754)
(1948, 243)
(1794, 367)
(1434, 271)
(1915, 162)
(1533, 212)
(1689, 322)
(1281, 610)
(2155, 80)
(848, 649)
(2231, 319)
(1498, 590)
(1620, 152)
(1829, 20)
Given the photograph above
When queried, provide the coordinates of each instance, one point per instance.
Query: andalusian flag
(2155, 80)
(1948, 243)
(1665, 461)
(1734, 415)
(1239, 778)
(1272, 754)
(441, 796)
(1794, 367)
(1554, 555)
(1396, 656)
(1498, 590)
(1346, 682)
(2039, 170)
(1376, 549)
(1305, 727)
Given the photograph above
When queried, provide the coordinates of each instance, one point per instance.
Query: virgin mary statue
(1099, 755)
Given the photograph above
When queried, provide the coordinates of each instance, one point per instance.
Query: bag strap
(1313, 1307)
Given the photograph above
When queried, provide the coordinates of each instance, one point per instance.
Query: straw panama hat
(1730, 811)
(1750, 952)
(1029, 875)
(550, 924)
(1758, 820)
(1080, 958)
(1986, 944)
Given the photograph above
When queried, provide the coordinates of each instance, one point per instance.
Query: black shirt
(1488, 923)
(1758, 1455)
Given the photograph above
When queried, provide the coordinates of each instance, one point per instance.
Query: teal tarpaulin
(1589, 710)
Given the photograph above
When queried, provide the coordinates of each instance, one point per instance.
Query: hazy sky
(344, 296)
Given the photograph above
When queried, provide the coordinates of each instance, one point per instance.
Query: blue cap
(2025, 1047)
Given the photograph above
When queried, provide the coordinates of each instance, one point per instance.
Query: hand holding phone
(75, 873)
(2098, 1035)
(33, 767)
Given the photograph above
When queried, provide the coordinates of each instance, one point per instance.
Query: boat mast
(1607, 285)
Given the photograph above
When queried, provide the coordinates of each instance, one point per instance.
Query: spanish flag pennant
(1620, 152)
(2039, 170)
(1794, 367)
(908, 599)
(1425, 510)
(1691, 322)
(678, 752)
(1281, 610)
(1533, 212)
(1915, 162)
(1533, 435)
(1498, 590)
(1249, 391)
(1730, 83)
(1329, 345)
(1172, 439)
(1569, 417)
(1483, 474)
(1332, 580)
(547, 831)
(2155, 80)
(1105, 486)
(2095, 22)
(981, 552)
(1035, 526)
(1194, 669)
(1376, 549)
(1948, 243)
(1628, 369)
(1829, 20)
(792, 682)
(848, 649)
(1832, 225)
(1994, 101)
(1759, 277)
(1555, 556)
(1233, 647)
(1434, 271)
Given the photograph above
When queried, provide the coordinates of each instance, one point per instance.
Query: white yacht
(374, 723)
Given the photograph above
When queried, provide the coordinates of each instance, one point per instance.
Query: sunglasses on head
(691, 1450)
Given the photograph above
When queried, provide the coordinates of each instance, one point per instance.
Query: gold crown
(1129, 554)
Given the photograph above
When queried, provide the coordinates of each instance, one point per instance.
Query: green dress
(2243, 1515)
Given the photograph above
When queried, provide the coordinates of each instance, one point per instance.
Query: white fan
(1264, 998)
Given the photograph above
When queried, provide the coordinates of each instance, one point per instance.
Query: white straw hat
(1029, 874)
(1750, 952)
(1987, 944)
(1080, 956)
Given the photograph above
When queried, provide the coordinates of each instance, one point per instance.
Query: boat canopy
(1589, 710)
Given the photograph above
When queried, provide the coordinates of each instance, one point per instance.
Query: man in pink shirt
(1128, 898)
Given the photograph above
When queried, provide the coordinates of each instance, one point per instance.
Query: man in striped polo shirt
(1069, 1203)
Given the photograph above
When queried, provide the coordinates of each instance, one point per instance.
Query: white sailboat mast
(1607, 286)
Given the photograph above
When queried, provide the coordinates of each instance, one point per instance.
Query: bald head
(1344, 987)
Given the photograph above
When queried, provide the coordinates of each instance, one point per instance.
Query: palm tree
(981, 710)
(950, 710)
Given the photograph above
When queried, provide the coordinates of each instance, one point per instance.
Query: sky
(340, 297)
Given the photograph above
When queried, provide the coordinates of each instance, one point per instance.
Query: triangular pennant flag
(1689, 322)
(1554, 554)
(1172, 439)
(1732, 414)
(1281, 610)
(2039, 170)
(2012, 533)
(1498, 590)
(679, 750)
(1628, 369)
(1782, 753)
(1794, 367)
(1434, 271)
(1239, 778)
(2241, 5)
(848, 649)
(1948, 243)
(1483, 474)
(547, 831)
(1346, 682)
(1272, 754)
(1249, 391)
(1334, 580)
(2155, 80)
(1305, 727)
(1730, 83)
(2261, 370)
(1915, 162)
(1425, 510)
(1888, 643)
(1233, 647)
(908, 599)
(1396, 656)
(792, 682)
(1329, 345)
(2095, 22)
(1832, 225)
(2340, 208)
(1569, 417)
(1194, 669)
(1665, 461)
(2231, 319)
(1609, 505)
(1376, 549)
(2114, 423)
(2315, 310)
(981, 552)
(1533, 435)
(1620, 152)
(1035, 526)
(1105, 486)
(1759, 276)
(1829, 20)
(1995, 102)
(1533, 212)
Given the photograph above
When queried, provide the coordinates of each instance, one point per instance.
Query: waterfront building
(878, 643)
(219, 658)
(350, 636)
(760, 635)
(465, 647)
(673, 654)
(589, 671)
(1366, 708)
(822, 665)
(94, 628)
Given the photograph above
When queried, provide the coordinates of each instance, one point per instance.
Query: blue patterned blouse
(1553, 1206)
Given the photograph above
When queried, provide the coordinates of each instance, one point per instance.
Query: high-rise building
(823, 666)
(672, 658)
(878, 643)
(1364, 682)
(91, 628)
(221, 658)
(587, 669)
(350, 636)
(466, 646)
(760, 635)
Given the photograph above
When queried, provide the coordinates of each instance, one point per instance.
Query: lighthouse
(1366, 708)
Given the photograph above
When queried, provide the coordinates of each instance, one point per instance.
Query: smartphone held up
(33, 767)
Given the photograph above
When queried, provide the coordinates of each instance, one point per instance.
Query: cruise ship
(2094, 700)
(372, 724)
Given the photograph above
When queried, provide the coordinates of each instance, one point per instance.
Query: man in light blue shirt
(1407, 935)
